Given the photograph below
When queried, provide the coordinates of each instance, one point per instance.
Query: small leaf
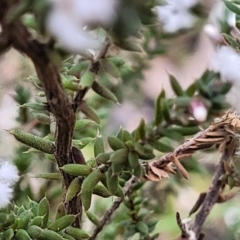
(115, 143)
(69, 83)
(102, 191)
(42, 118)
(43, 210)
(73, 189)
(129, 46)
(91, 180)
(140, 131)
(231, 41)
(158, 111)
(89, 112)
(176, 86)
(33, 141)
(76, 169)
(87, 79)
(119, 156)
(49, 176)
(142, 228)
(191, 89)
(35, 106)
(93, 218)
(77, 233)
(234, 8)
(104, 92)
(112, 181)
(60, 211)
(82, 123)
(162, 145)
(83, 142)
(98, 145)
(110, 68)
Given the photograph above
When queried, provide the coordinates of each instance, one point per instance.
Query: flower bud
(198, 110)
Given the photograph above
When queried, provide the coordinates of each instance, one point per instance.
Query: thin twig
(221, 133)
(180, 150)
(127, 191)
(211, 197)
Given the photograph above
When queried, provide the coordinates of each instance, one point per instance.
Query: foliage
(67, 115)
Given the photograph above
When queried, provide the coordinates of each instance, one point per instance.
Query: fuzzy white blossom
(8, 173)
(68, 19)
(227, 63)
(175, 15)
(8, 177)
(6, 194)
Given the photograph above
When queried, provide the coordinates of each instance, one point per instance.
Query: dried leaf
(198, 203)
(150, 175)
(159, 172)
(225, 197)
(180, 167)
(209, 140)
(229, 130)
(219, 133)
(227, 167)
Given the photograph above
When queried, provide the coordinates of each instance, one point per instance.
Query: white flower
(8, 173)
(227, 63)
(8, 177)
(6, 194)
(198, 110)
(67, 20)
(175, 15)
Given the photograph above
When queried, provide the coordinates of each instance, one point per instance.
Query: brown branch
(221, 133)
(211, 197)
(182, 150)
(21, 39)
(127, 191)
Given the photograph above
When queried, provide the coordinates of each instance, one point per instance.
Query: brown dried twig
(211, 196)
(221, 132)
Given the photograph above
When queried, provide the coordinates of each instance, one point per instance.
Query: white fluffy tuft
(175, 16)
(6, 194)
(8, 177)
(67, 20)
(8, 173)
(227, 63)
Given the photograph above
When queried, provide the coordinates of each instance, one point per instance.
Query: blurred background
(185, 52)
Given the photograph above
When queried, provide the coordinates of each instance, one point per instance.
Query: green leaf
(162, 145)
(110, 68)
(129, 46)
(176, 86)
(98, 145)
(191, 89)
(31, 140)
(89, 112)
(140, 133)
(233, 7)
(87, 79)
(142, 228)
(104, 92)
(158, 111)
(231, 41)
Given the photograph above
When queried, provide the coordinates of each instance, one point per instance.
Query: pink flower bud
(198, 110)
